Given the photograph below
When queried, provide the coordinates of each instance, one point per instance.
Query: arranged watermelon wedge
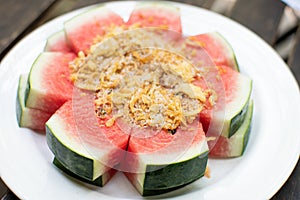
(82, 146)
(236, 145)
(100, 181)
(28, 117)
(49, 84)
(83, 29)
(57, 42)
(165, 162)
(237, 91)
(162, 15)
(218, 49)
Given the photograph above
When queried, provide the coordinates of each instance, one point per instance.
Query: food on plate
(156, 15)
(29, 117)
(237, 91)
(57, 42)
(218, 48)
(100, 181)
(49, 85)
(236, 145)
(79, 145)
(137, 97)
(81, 30)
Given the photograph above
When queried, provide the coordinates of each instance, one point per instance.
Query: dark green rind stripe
(79, 165)
(96, 182)
(28, 86)
(160, 179)
(247, 134)
(27, 91)
(238, 120)
(19, 111)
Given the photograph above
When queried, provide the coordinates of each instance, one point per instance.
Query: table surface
(19, 17)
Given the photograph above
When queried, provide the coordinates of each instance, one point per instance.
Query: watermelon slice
(100, 181)
(162, 15)
(238, 90)
(57, 42)
(28, 117)
(81, 145)
(49, 84)
(236, 145)
(164, 162)
(83, 29)
(218, 49)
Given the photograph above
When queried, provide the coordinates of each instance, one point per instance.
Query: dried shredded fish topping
(149, 88)
(146, 87)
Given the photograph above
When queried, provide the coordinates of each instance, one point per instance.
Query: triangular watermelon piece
(79, 143)
(159, 15)
(49, 84)
(57, 42)
(164, 162)
(29, 117)
(217, 48)
(83, 29)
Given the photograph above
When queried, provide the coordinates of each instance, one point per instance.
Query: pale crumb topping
(147, 88)
(143, 86)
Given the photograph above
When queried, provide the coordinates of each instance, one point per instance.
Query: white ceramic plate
(273, 149)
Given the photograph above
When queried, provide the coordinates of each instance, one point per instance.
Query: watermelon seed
(172, 131)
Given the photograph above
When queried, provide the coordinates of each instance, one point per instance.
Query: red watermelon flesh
(218, 49)
(232, 98)
(93, 131)
(57, 42)
(156, 15)
(49, 81)
(139, 143)
(83, 29)
(84, 137)
(162, 149)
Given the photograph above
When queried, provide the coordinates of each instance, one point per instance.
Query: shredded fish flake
(145, 87)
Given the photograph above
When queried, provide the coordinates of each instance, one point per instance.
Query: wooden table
(19, 17)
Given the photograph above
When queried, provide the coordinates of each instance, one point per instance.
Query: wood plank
(262, 17)
(16, 16)
(294, 57)
(3, 188)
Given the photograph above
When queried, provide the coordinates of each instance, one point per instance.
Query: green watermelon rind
(97, 182)
(79, 164)
(241, 136)
(233, 120)
(239, 141)
(24, 114)
(71, 152)
(20, 105)
(100, 181)
(30, 95)
(160, 179)
(147, 182)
